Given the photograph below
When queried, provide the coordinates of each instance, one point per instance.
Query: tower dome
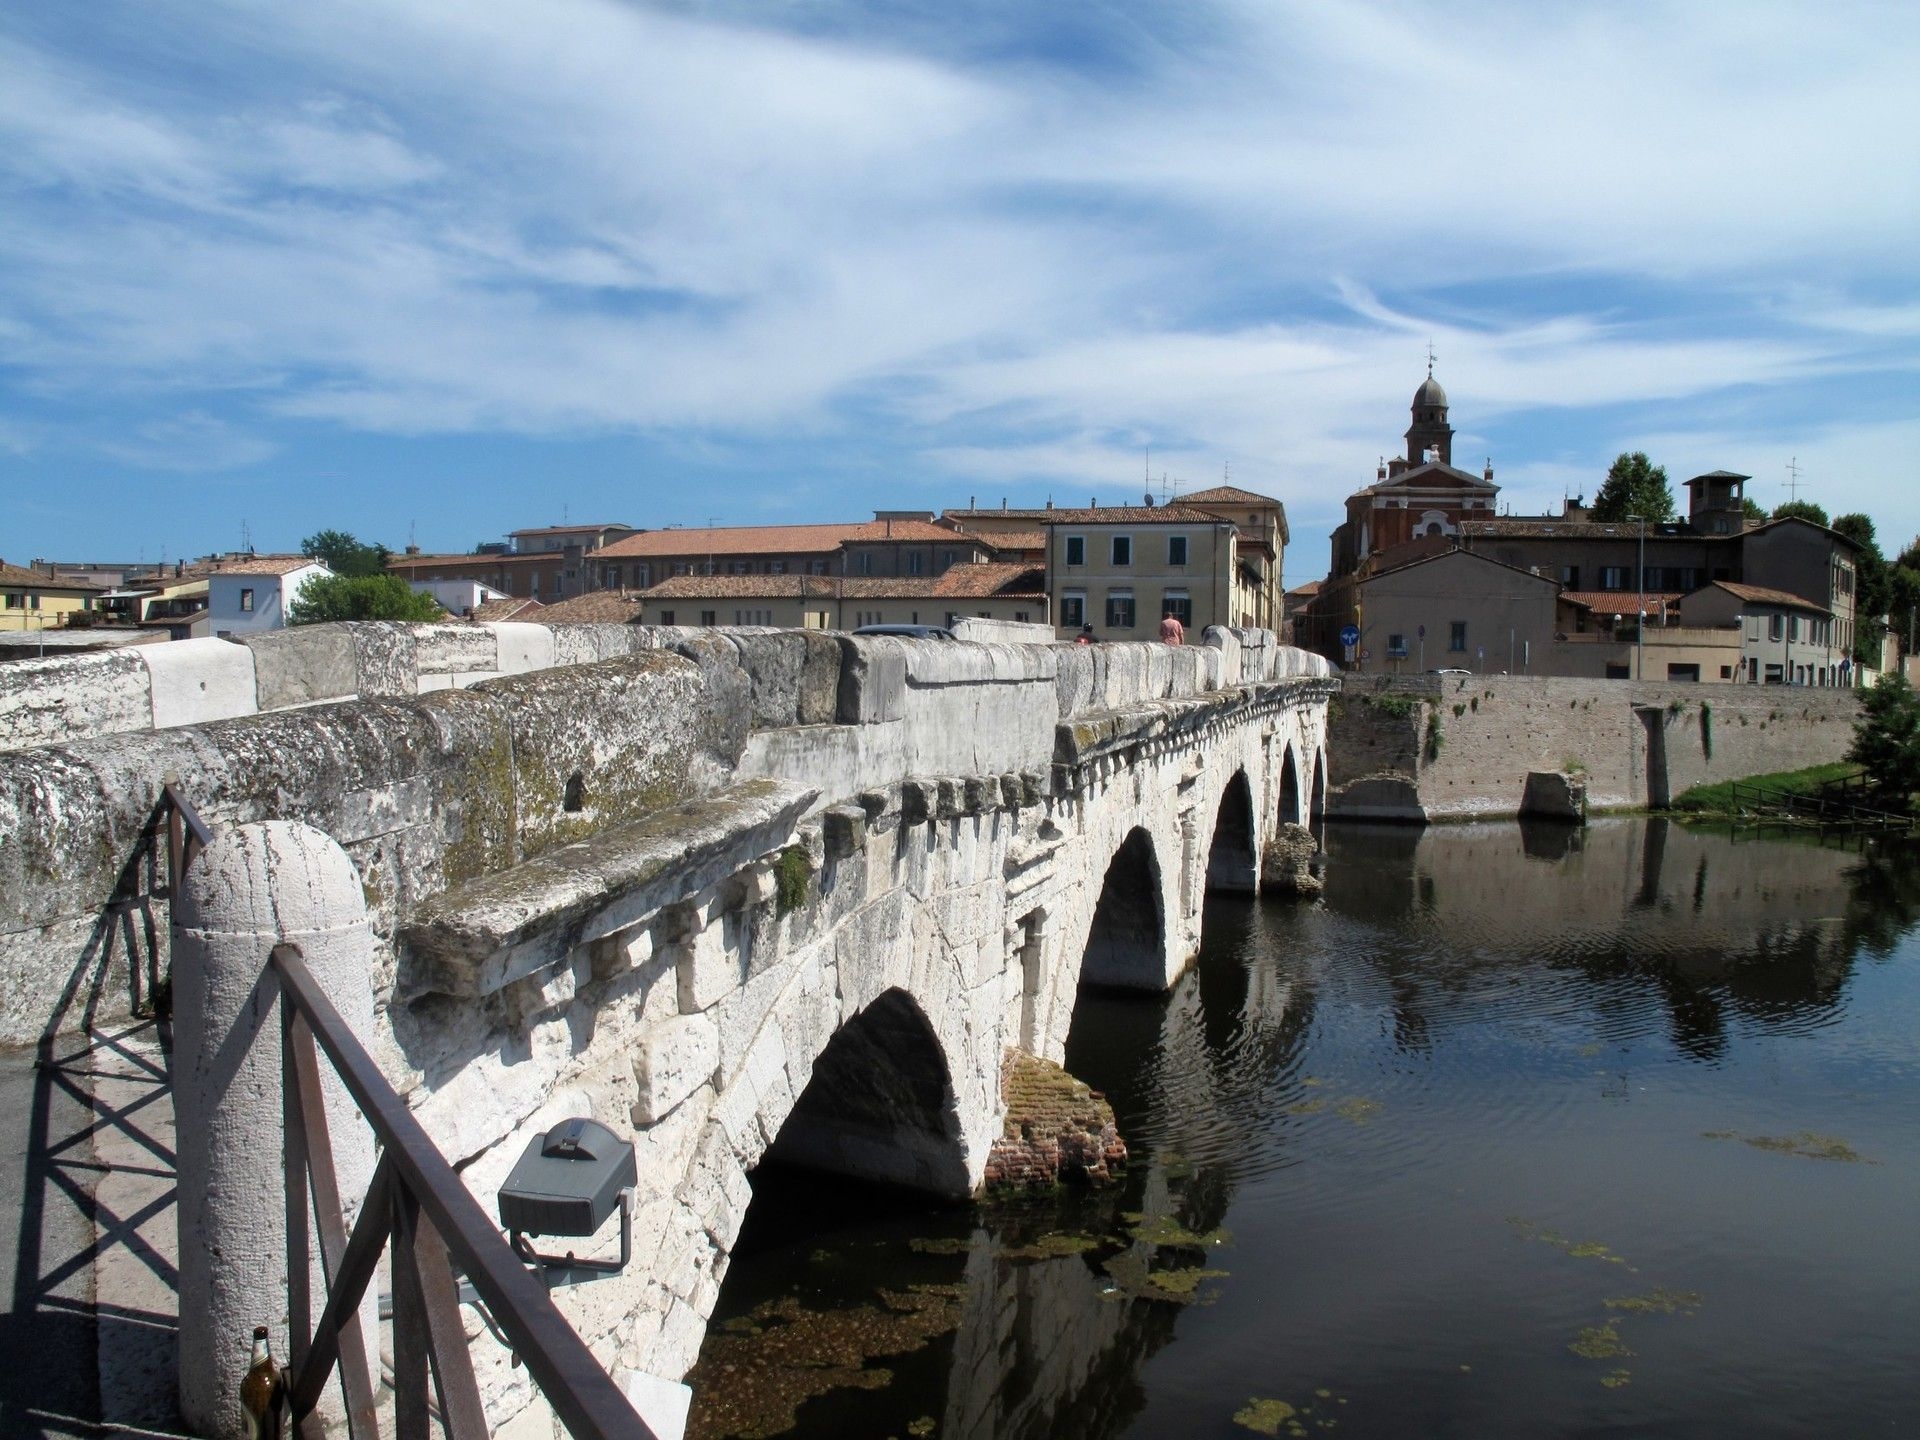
(1430, 395)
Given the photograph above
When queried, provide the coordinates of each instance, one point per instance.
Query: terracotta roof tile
(1763, 595)
(1133, 515)
(14, 575)
(1227, 495)
(511, 608)
(959, 582)
(775, 539)
(597, 607)
(1621, 602)
(265, 565)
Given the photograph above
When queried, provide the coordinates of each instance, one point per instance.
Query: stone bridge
(737, 893)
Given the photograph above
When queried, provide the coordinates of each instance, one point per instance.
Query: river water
(1513, 1133)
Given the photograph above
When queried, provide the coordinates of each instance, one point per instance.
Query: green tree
(1753, 509)
(360, 597)
(1803, 510)
(345, 555)
(1635, 487)
(1886, 738)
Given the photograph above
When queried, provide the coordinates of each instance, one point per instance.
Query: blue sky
(442, 271)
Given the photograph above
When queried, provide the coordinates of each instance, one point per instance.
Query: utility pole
(1640, 588)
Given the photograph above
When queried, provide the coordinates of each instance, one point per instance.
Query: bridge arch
(1127, 940)
(1292, 812)
(880, 1104)
(1233, 855)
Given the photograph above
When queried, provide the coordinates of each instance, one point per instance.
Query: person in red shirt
(1085, 637)
(1172, 632)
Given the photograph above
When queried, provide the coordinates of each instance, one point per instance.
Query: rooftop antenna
(246, 537)
(1793, 477)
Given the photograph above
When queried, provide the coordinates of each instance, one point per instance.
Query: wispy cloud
(972, 239)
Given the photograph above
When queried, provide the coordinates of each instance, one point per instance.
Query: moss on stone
(792, 877)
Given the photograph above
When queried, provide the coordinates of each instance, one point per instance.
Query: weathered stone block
(706, 969)
(982, 794)
(453, 648)
(1011, 797)
(819, 697)
(918, 799)
(1554, 795)
(71, 696)
(774, 661)
(195, 681)
(1073, 677)
(302, 665)
(950, 799)
(845, 828)
(522, 647)
(671, 1060)
(1378, 797)
(873, 680)
(383, 658)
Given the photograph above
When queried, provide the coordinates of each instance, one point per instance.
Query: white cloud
(192, 442)
(592, 216)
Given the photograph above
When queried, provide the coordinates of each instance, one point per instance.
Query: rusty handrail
(434, 1221)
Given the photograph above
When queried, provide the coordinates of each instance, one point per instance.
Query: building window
(1119, 609)
(1019, 617)
(666, 617)
(1073, 610)
(1123, 550)
(1457, 637)
(1776, 627)
(913, 562)
(1396, 647)
(776, 567)
(1178, 605)
(863, 563)
(246, 600)
(16, 602)
(946, 559)
(817, 567)
(707, 618)
(642, 576)
(1076, 549)
(1176, 550)
(1613, 577)
(1570, 576)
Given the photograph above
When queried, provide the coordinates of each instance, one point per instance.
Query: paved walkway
(87, 1196)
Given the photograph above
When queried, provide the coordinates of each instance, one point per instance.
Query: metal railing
(415, 1204)
(174, 834)
(436, 1230)
(1820, 805)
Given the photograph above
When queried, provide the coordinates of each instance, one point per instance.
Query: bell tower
(1429, 430)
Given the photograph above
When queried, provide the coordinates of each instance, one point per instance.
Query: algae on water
(1807, 1143)
(1599, 1342)
(1264, 1417)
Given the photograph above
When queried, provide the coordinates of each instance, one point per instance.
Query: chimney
(1489, 469)
(1003, 502)
(973, 502)
(413, 549)
(1049, 502)
(1381, 473)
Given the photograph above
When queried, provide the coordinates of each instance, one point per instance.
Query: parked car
(1450, 670)
(908, 632)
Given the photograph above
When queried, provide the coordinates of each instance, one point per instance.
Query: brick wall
(1493, 729)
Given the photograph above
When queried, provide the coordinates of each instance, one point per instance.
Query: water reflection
(1467, 1119)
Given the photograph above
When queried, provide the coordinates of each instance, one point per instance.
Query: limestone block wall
(423, 792)
(1637, 745)
(696, 1017)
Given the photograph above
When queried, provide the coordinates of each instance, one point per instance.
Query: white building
(458, 597)
(253, 594)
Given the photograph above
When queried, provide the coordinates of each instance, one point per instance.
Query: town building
(245, 596)
(551, 539)
(1615, 597)
(1255, 588)
(546, 576)
(1123, 568)
(33, 600)
(987, 590)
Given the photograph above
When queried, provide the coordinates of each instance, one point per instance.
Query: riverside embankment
(1451, 747)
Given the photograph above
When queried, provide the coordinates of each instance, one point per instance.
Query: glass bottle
(260, 1390)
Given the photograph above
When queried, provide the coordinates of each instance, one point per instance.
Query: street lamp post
(1640, 590)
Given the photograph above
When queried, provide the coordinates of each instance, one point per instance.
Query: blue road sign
(1350, 635)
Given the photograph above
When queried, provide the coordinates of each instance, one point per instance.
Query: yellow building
(1123, 568)
(32, 601)
(988, 591)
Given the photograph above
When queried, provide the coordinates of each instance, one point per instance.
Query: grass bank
(1717, 799)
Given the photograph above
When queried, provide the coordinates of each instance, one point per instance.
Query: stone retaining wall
(1468, 742)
